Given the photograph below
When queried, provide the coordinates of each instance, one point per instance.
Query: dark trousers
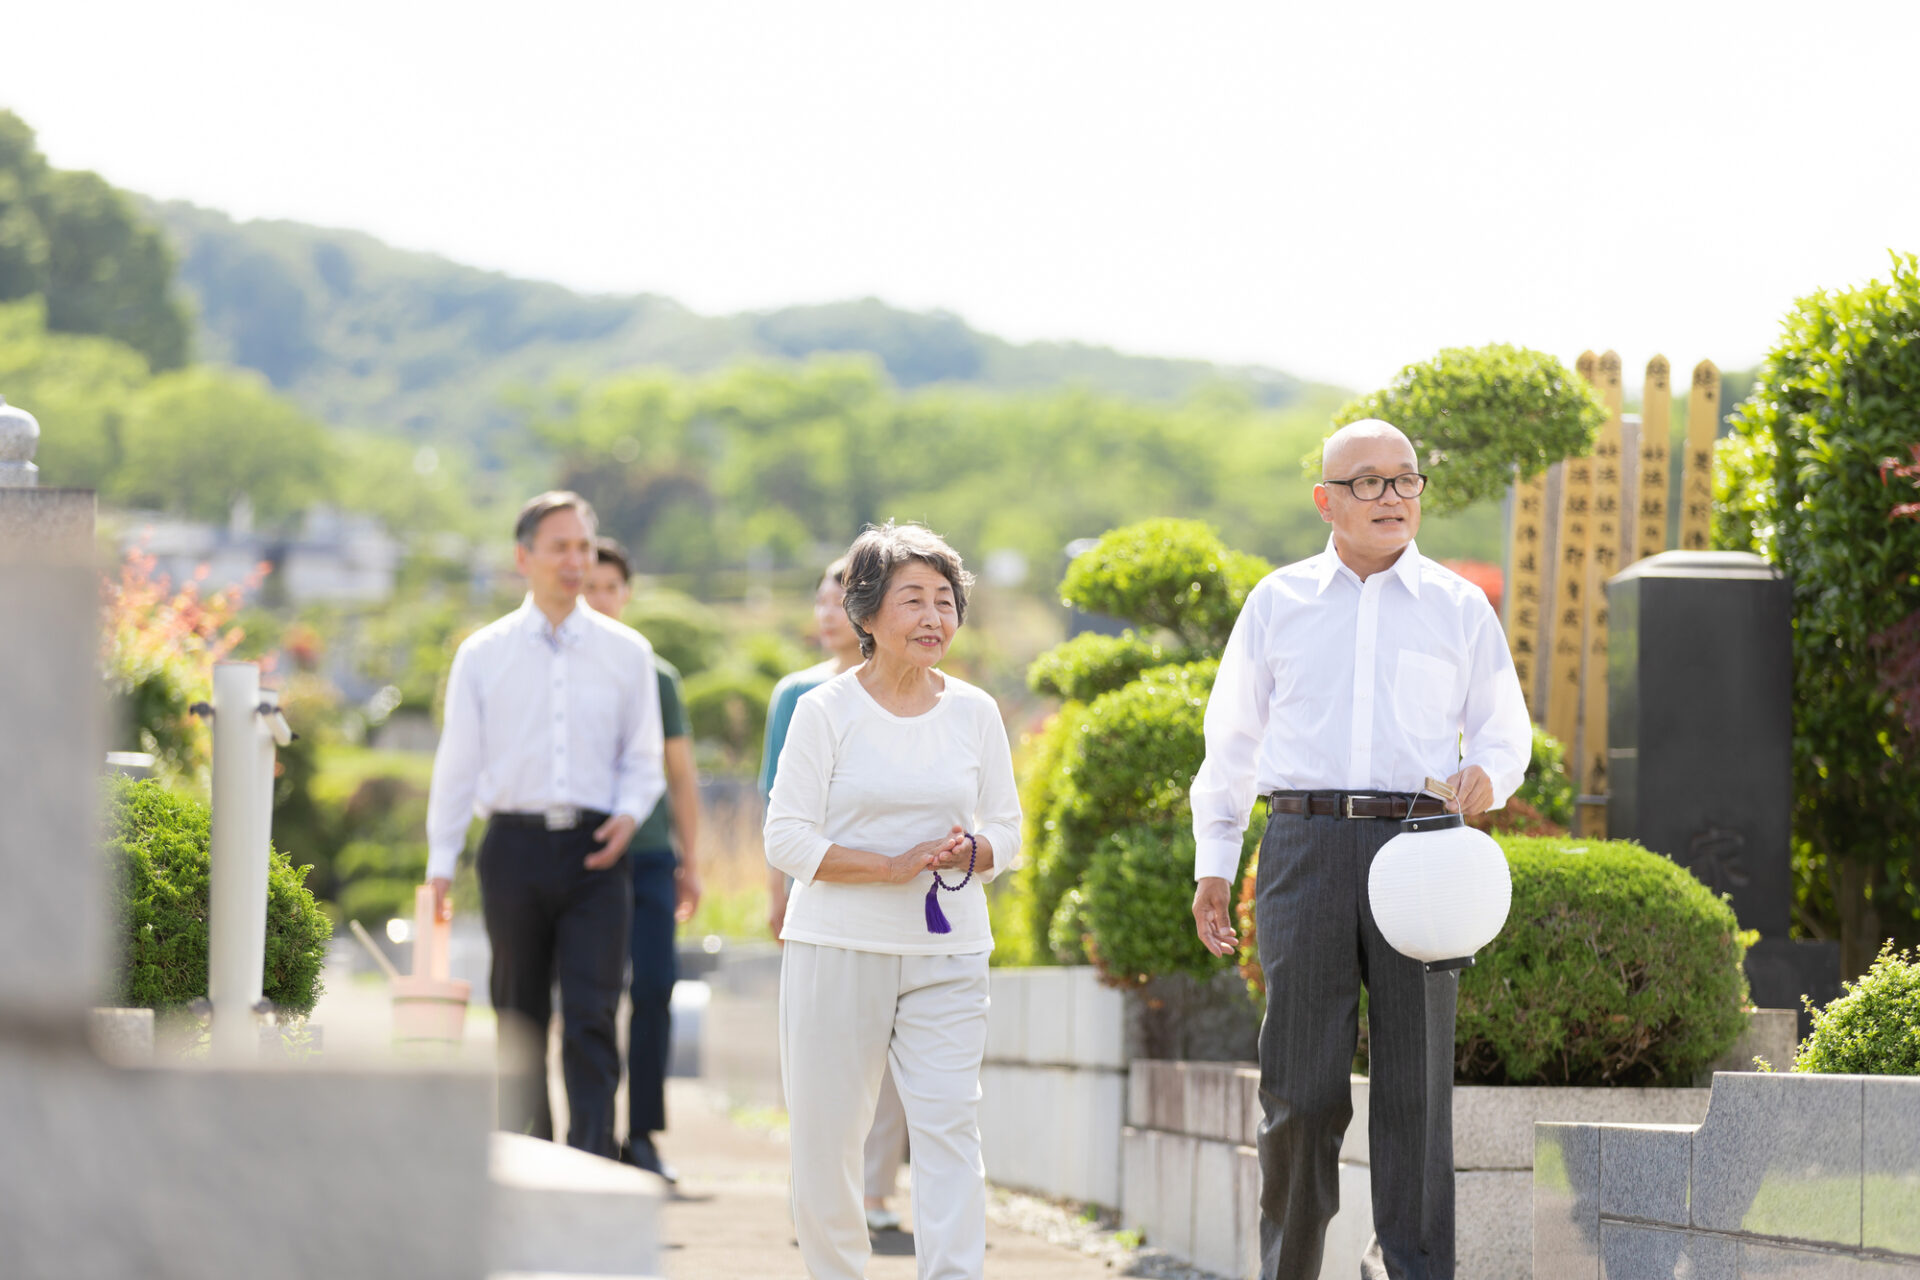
(550, 917)
(1318, 946)
(650, 1028)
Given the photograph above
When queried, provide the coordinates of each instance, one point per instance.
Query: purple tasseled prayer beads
(936, 918)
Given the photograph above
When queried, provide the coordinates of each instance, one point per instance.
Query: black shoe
(640, 1153)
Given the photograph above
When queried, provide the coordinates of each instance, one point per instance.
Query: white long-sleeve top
(539, 716)
(854, 774)
(1330, 683)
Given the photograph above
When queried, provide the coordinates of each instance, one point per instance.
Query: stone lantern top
(19, 437)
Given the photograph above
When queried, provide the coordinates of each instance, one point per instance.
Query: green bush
(1169, 574)
(1091, 664)
(1137, 905)
(1476, 413)
(1547, 788)
(1616, 967)
(1125, 760)
(157, 847)
(681, 629)
(1832, 405)
(1873, 1029)
(727, 709)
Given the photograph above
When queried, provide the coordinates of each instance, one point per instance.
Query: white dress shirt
(1329, 683)
(540, 716)
(854, 774)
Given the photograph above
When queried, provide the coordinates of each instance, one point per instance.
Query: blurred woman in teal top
(886, 1142)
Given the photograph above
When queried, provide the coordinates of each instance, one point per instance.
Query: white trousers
(886, 1141)
(846, 1018)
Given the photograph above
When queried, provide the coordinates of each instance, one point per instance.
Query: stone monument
(1700, 722)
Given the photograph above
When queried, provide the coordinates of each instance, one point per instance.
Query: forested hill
(363, 334)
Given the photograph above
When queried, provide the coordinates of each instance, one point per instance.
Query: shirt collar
(571, 631)
(1406, 568)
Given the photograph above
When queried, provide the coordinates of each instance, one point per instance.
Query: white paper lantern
(1440, 891)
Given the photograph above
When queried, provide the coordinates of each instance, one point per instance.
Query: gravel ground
(1087, 1230)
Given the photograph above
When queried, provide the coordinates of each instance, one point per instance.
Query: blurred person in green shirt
(887, 1141)
(666, 887)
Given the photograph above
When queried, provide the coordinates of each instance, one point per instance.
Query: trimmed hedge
(1616, 967)
(1091, 664)
(157, 847)
(1174, 575)
(1873, 1029)
(1123, 760)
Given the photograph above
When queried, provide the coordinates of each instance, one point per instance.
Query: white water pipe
(235, 944)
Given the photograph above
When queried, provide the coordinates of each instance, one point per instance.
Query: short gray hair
(882, 549)
(540, 506)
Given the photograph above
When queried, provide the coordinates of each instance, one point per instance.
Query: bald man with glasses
(1350, 678)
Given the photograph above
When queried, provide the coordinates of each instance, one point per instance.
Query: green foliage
(1476, 413)
(1137, 905)
(76, 384)
(76, 242)
(727, 708)
(363, 333)
(196, 440)
(1874, 1028)
(1616, 967)
(1834, 399)
(1174, 575)
(680, 628)
(1091, 664)
(158, 855)
(1123, 761)
(1743, 483)
(1547, 788)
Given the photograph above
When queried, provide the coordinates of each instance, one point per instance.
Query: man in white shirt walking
(552, 734)
(1350, 678)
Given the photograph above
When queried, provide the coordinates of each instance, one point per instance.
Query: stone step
(558, 1211)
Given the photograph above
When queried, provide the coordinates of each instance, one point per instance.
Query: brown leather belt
(1354, 804)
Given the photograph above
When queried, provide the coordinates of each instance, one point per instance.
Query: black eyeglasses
(1408, 484)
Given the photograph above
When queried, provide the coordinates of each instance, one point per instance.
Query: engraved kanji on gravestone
(1718, 857)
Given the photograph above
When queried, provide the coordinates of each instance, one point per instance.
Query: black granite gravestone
(1700, 744)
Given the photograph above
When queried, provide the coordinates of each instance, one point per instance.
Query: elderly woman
(893, 803)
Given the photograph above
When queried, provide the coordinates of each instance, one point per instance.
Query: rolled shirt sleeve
(1498, 732)
(795, 836)
(456, 770)
(1223, 791)
(641, 775)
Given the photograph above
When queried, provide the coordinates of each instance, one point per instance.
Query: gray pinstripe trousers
(1318, 946)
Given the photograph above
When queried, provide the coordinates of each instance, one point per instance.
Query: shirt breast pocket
(1426, 696)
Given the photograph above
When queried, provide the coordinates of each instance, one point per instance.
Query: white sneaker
(882, 1220)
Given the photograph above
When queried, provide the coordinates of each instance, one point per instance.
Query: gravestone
(1700, 722)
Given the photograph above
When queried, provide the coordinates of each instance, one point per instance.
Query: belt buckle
(562, 817)
(1346, 807)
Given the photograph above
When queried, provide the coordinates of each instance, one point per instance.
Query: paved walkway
(728, 1219)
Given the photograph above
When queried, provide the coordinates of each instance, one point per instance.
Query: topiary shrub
(1872, 1030)
(1089, 665)
(157, 848)
(1136, 901)
(1616, 967)
(1174, 575)
(1126, 760)
(1482, 412)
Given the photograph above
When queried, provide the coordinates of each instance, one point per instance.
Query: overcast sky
(1333, 189)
